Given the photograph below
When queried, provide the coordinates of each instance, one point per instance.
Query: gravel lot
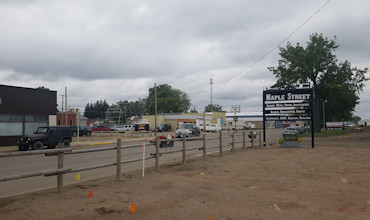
(328, 182)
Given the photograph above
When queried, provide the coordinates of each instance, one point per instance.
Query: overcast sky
(117, 49)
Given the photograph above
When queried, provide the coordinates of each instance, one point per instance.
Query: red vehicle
(100, 128)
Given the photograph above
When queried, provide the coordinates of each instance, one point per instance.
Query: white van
(125, 128)
(213, 128)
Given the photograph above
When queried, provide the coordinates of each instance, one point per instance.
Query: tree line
(168, 100)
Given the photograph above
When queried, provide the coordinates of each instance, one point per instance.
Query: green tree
(356, 119)
(96, 110)
(168, 100)
(213, 108)
(338, 84)
(42, 88)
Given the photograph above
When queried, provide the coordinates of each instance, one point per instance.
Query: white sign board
(235, 108)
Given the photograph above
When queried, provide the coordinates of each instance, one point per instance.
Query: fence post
(221, 144)
(183, 150)
(157, 153)
(118, 173)
(233, 142)
(60, 175)
(243, 140)
(252, 138)
(259, 136)
(204, 147)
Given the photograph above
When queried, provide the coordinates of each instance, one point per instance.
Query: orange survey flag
(90, 194)
(210, 217)
(132, 208)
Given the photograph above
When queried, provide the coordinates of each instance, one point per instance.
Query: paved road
(27, 164)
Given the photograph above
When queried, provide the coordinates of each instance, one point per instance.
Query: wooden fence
(61, 152)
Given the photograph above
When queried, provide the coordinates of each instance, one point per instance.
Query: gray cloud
(106, 50)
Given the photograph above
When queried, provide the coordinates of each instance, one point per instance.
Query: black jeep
(49, 136)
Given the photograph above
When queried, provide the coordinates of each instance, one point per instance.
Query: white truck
(213, 128)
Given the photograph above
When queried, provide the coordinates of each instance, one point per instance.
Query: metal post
(118, 173)
(157, 153)
(259, 136)
(60, 175)
(313, 118)
(221, 144)
(204, 147)
(78, 126)
(233, 141)
(183, 150)
(252, 138)
(323, 115)
(243, 140)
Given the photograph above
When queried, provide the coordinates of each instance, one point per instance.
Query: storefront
(22, 110)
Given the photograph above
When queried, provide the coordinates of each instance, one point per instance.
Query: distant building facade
(23, 110)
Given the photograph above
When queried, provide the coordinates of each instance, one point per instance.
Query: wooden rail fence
(61, 152)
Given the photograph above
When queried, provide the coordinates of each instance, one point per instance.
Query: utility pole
(61, 122)
(66, 106)
(155, 109)
(211, 83)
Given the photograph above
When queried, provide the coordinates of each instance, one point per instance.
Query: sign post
(288, 105)
(235, 109)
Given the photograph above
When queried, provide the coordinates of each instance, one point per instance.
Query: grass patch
(213, 155)
(331, 133)
(4, 204)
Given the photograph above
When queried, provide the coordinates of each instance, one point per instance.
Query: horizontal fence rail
(61, 152)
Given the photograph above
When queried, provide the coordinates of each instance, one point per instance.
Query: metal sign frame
(288, 105)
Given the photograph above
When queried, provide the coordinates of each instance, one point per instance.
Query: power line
(268, 53)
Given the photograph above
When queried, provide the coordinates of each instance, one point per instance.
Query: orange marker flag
(90, 194)
(132, 208)
(210, 217)
(143, 147)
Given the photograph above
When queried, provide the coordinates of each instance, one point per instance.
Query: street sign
(235, 108)
(288, 105)
(235, 118)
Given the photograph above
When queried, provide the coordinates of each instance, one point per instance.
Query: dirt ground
(331, 181)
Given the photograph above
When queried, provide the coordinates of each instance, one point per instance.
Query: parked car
(49, 136)
(164, 127)
(249, 126)
(299, 129)
(100, 128)
(187, 130)
(82, 131)
(291, 130)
